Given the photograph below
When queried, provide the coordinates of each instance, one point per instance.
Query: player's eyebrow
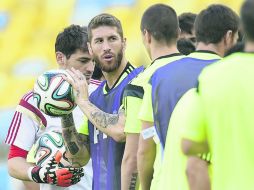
(84, 59)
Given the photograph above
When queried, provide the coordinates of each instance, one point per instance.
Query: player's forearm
(191, 148)
(129, 173)
(110, 124)
(18, 168)
(146, 157)
(77, 145)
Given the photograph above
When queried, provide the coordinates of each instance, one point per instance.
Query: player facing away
(218, 116)
(103, 136)
(71, 51)
(159, 37)
(175, 81)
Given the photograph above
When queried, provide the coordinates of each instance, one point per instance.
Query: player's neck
(158, 50)
(249, 46)
(210, 47)
(112, 77)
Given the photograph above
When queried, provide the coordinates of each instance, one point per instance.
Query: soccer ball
(47, 146)
(53, 95)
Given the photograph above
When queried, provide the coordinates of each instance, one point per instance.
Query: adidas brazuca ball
(47, 146)
(53, 95)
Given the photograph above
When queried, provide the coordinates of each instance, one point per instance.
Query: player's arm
(147, 146)
(193, 127)
(146, 157)
(17, 164)
(194, 142)
(129, 172)
(77, 145)
(110, 124)
(18, 167)
(132, 101)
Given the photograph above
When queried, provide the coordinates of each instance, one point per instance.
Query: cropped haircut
(213, 23)
(104, 20)
(247, 17)
(71, 39)
(161, 22)
(186, 22)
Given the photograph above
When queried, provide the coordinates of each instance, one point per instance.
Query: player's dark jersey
(106, 153)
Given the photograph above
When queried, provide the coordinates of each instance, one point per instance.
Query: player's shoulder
(93, 85)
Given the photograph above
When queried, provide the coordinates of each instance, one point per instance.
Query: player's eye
(98, 41)
(113, 38)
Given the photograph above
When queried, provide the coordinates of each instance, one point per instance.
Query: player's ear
(124, 43)
(90, 48)
(178, 33)
(60, 59)
(228, 37)
(147, 36)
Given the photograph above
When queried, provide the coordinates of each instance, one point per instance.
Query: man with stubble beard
(103, 135)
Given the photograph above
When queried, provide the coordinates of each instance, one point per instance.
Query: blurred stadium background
(27, 34)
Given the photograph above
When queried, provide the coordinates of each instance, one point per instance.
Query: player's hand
(51, 173)
(79, 84)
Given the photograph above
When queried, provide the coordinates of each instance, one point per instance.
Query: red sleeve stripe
(17, 152)
(27, 95)
(14, 127)
(97, 82)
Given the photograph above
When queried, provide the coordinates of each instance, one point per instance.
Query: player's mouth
(108, 57)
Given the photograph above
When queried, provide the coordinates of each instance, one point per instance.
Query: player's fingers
(69, 79)
(73, 75)
(58, 156)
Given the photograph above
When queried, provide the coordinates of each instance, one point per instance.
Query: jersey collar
(204, 54)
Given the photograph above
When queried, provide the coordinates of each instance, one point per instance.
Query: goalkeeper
(71, 51)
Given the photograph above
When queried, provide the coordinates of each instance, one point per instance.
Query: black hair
(185, 46)
(71, 39)
(247, 17)
(186, 22)
(213, 23)
(161, 22)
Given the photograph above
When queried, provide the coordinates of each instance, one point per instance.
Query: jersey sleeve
(22, 130)
(146, 110)
(193, 126)
(83, 129)
(133, 95)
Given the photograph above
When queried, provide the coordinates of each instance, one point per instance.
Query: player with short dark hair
(26, 127)
(160, 30)
(218, 116)
(103, 135)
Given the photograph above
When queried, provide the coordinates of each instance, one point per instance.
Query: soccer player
(218, 116)
(105, 129)
(71, 51)
(159, 37)
(166, 88)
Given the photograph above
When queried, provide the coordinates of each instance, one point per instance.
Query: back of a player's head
(70, 40)
(104, 20)
(186, 22)
(247, 17)
(185, 46)
(212, 24)
(161, 22)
